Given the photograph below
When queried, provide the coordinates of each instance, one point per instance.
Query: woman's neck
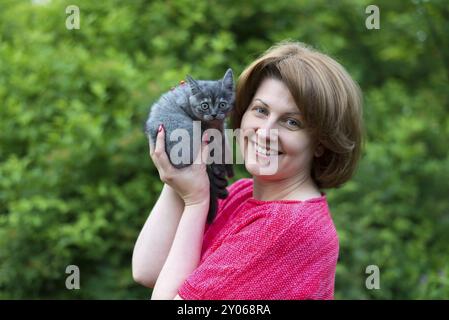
(292, 188)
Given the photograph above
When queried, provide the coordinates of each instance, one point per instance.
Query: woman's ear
(319, 150)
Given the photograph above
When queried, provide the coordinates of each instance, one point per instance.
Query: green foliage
(76, 182)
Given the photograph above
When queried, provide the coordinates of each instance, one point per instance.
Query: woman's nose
(266, 126)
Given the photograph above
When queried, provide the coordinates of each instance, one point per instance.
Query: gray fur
(179, 107)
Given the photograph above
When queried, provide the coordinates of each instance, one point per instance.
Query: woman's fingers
(160, 139)
(160, 158)
(159, 155)
(205, 148)
(151, 145)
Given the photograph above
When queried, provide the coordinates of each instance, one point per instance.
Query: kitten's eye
(222, 104)
(204, 106)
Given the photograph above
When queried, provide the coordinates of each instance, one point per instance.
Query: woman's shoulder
(294, 208)
(238, 192)
(296, 216)
(240, 184)
(311, 219)
(313, 213)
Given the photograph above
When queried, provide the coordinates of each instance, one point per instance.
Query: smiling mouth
(264, 151)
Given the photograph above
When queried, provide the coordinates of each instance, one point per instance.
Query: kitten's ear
(194, 86)
(228, 80)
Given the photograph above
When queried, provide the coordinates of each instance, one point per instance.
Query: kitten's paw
(229, 170)
(222, 193)
(220, 183)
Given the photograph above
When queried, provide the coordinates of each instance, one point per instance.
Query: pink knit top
(266, 250)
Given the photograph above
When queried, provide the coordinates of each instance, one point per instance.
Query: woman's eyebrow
(291, 113)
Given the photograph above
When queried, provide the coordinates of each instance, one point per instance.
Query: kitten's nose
(214, 115)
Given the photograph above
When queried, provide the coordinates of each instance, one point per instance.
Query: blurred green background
(76, 180)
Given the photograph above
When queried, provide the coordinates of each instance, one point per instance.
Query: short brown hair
(328, 98)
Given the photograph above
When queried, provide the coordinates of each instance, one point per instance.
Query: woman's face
(273, 110)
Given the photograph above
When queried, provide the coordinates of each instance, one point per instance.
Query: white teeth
(261, 150)
(265, 151)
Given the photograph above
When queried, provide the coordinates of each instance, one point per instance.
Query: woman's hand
(191, 183)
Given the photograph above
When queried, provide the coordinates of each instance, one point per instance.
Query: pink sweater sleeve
(269, 257)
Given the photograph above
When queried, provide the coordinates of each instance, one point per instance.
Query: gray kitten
(208, 101)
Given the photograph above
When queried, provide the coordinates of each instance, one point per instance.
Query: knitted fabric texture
(265, 250)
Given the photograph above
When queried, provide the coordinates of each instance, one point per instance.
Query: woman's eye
(222, 105)
(292, 122)
(258, 109)
(204, 106)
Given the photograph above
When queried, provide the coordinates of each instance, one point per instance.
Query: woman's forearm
(185, 253)
(156, 237)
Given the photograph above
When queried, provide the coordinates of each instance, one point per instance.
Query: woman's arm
(156, 237)
(185, 252)
(181, 237)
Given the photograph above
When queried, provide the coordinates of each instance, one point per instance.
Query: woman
(273, 237)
